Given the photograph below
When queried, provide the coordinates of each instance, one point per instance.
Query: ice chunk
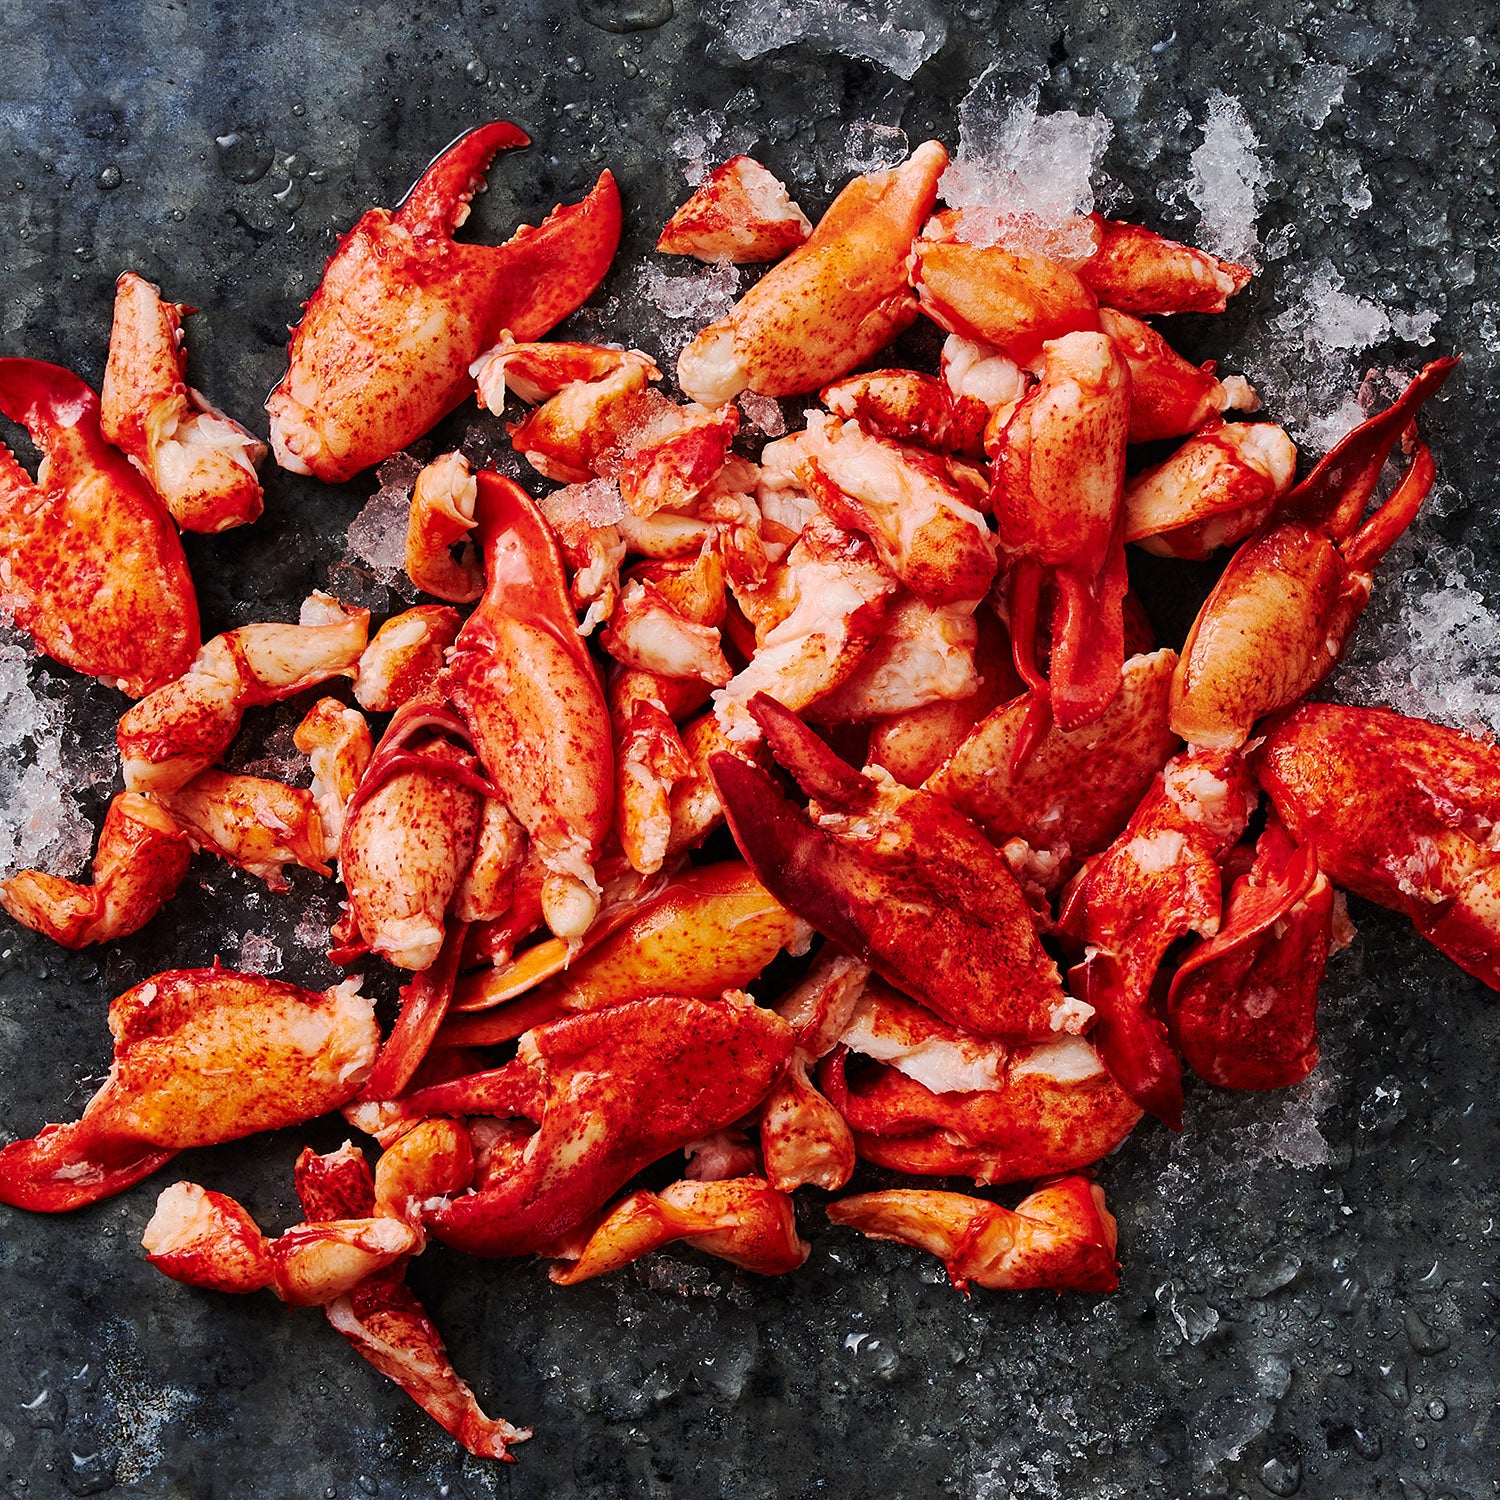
(1020, 178)
(705, 140)
(377, 535)
(870, 146)
(1319, 89)
(259, 954)
(763, 413)
(897, 34)
(1229, 179)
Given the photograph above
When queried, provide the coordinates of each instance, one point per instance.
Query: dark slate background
(1307, 1295)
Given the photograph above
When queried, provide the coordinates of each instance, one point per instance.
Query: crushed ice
(897, 34)
(1228, 183)
(376, 546)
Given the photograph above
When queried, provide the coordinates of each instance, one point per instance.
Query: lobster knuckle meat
(1279, 617)
(1141, 272)
(669, 471)
(434, 1159)
(1061, 1238)
(623, 1087)
(141, 860)
(404, 658)
(740, 213)
(536, 371)
(1401, 812)
(206, 1239)
(803, 1138)
(187, 724)
(743, 1220)
(442, 516)
(315, 1264)
(522, 678)
(336, 740)
(1076, 789)
(1157, 882)
(1053, 1108)
(650, 759)
(899, 878)
(335, 1185)
(386, 341)
(832, 303)
(257, 824)
(202, 463)
(923, 523)
(488, 886)
(94, 569)
(645, 632)
(201, 1056)
(571, 435)
(1012, 300)
(909, 407)
(1212, 492)
(1243, 1004)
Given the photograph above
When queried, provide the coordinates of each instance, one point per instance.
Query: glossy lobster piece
(1139, 271)
(201, 1056)
(896, 877)
(199, 461)
(1402, 813)
(1279, 617)
(1060, 1238)
(529, 692)
(385, 344)
(832, 303)
(616, 1089)
(94, 568)
(740, 213)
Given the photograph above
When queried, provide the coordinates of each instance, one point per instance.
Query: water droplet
(1435, 1278)
(1419, 1442)
(477, 72)
(298, 108)
(367, 1485)
(1437, 1409)
(1366, 1443)
(89, 1473)
(1392, 1383)
(109, 177)
(245, 154)
(1272, 1273)
(573, 64)
(1281, 1476)
(1423, 1338)
(622, 16)
(83, 252)
(296, 165)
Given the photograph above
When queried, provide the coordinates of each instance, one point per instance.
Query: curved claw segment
(94, 568)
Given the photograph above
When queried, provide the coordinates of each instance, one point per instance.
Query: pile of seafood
(997, 866)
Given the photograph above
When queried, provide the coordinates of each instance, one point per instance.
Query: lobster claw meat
(1061, 1238)
(1279, 617)
(1243, 1004)
(1157, 882)
(1139, 271)
(898, 878)
(94, 568)
(910, 407)
(621, 1088)
(201, 1056)
(740, 213)
(743, 1220)
(832, 303)
(1402, 813)
(385, 344)
(523, 680)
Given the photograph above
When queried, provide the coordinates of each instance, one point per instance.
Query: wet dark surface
(1307, 1295)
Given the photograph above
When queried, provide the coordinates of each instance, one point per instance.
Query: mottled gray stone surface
(1307, 1294)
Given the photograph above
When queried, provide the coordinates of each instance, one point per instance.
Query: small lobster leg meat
(571, 435)
(832, 303)
(404, 658)
(1243, 1005)
(201, 1056)
(898, 878)
(385, 344)
(743, 1220)
(650, 759)
(442, 516)
(536, 371)
(909, 407)
(1012, 300)
(94, 569)
(1053, 1108)
(1402, 812)
(207, 1239)
(1059, 482)
(622, 1087)
(199, 461)
(141, 860)
(1212, 492)
(523, 680)
(409, 835)
(1139, 271)
(257, 824)
(185, 726)
(382, 1318)
(337, 741)
(712, 929)
(1076, 790)
(1279, 617)
(1157, 882)
(1169, 395)
(924, 523)
(741, 213)
(1059, 1239)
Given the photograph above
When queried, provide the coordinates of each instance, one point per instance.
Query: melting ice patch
(897, 34)
(1229, 180)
